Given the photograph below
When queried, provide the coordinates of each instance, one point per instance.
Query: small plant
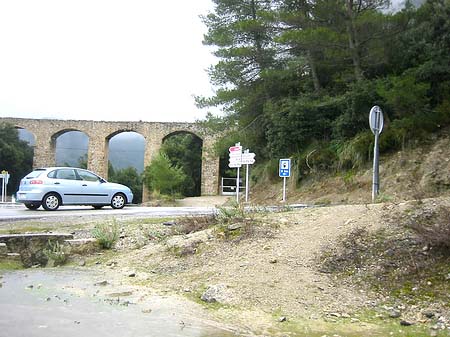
(226, 215)
(56, 253)
(106, 234)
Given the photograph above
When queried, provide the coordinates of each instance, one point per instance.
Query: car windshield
(35, 173)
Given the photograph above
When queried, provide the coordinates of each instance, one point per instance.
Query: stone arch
(58, 152)
(190, 158)
(99, 132)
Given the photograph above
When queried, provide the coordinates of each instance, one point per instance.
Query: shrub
(106, 234)
(432, 226)
(163, 177)
(56, 252)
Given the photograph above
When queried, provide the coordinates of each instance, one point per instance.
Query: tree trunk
(353, 41)
(314, 75)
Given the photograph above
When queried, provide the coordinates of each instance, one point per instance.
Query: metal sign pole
(3, 188)
(237, 185)
(284, 189)
(376, 175)
(247, 166)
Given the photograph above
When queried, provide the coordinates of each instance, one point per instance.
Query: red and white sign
(234, 149)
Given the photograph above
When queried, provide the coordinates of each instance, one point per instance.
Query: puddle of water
(40, 303)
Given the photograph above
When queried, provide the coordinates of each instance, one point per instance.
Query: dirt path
(271, 273)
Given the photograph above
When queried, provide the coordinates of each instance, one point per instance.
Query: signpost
(248, 158)
(376, 124)
(4, 176)
(284, 172)
(236, 160)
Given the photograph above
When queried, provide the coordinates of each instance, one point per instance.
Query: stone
(101, 283)
(282, 319)
(428, 314)
(216, 293)
(405, 323)
(234, 226)
(169, 223)
(3, 249)
(394, 314)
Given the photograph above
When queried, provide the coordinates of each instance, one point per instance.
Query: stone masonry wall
(46, 131)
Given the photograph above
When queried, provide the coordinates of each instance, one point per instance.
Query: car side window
(87, 176)
(66, 174)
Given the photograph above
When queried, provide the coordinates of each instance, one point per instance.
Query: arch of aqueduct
(46, 131)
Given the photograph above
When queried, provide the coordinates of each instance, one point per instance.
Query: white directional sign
(285, 168)
(248, 158)
(235, 156)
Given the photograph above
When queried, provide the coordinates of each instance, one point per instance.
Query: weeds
(106, 234)
(56, 253)
(432, 227)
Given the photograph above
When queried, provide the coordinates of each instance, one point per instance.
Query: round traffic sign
(376, 121)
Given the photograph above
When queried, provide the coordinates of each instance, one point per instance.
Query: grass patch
(11, 265)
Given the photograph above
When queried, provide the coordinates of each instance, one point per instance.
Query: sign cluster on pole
(4, 176)
(236, 160)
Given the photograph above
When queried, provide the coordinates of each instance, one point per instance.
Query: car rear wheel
(33, 206)
(118, 201)
(51, 202)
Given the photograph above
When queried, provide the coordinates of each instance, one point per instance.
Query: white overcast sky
(103, 59)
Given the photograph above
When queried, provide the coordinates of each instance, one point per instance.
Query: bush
(432, 226)
(106, 234)
(56, 253)
(161, 176)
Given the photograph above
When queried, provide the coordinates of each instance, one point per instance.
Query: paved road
(19, 212)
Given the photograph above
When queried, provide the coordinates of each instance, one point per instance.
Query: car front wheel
(33, 206)
(51, 202)
(118, 201)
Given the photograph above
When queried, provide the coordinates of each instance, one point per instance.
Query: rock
(216, 293)
(169, 223)
(282, 319)
(273, 260)
(3, 249)
(405, 323)
(82, 263)
(394, 314)
(428, 314)
(146, 310)
(234, 226)
(132, 274)
(101, 283)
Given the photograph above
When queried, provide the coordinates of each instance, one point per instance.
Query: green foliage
(106, 233)
(16, 156)
(184, 150)
(56, 253)
(128, 177)
(403, 94)
(163, 177)
(294, 74)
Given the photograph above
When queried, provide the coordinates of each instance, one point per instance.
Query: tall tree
(242, 32)
(16, 156)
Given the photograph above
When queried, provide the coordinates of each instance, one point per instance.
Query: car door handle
(84, 185)
(57, 183)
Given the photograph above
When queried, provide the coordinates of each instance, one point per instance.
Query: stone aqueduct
(46, 131)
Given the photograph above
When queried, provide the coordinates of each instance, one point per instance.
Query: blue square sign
(285, 168)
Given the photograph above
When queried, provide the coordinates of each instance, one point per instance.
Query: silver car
(55, 186)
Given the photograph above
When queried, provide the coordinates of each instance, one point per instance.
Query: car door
(92, 188)
(66, 184)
